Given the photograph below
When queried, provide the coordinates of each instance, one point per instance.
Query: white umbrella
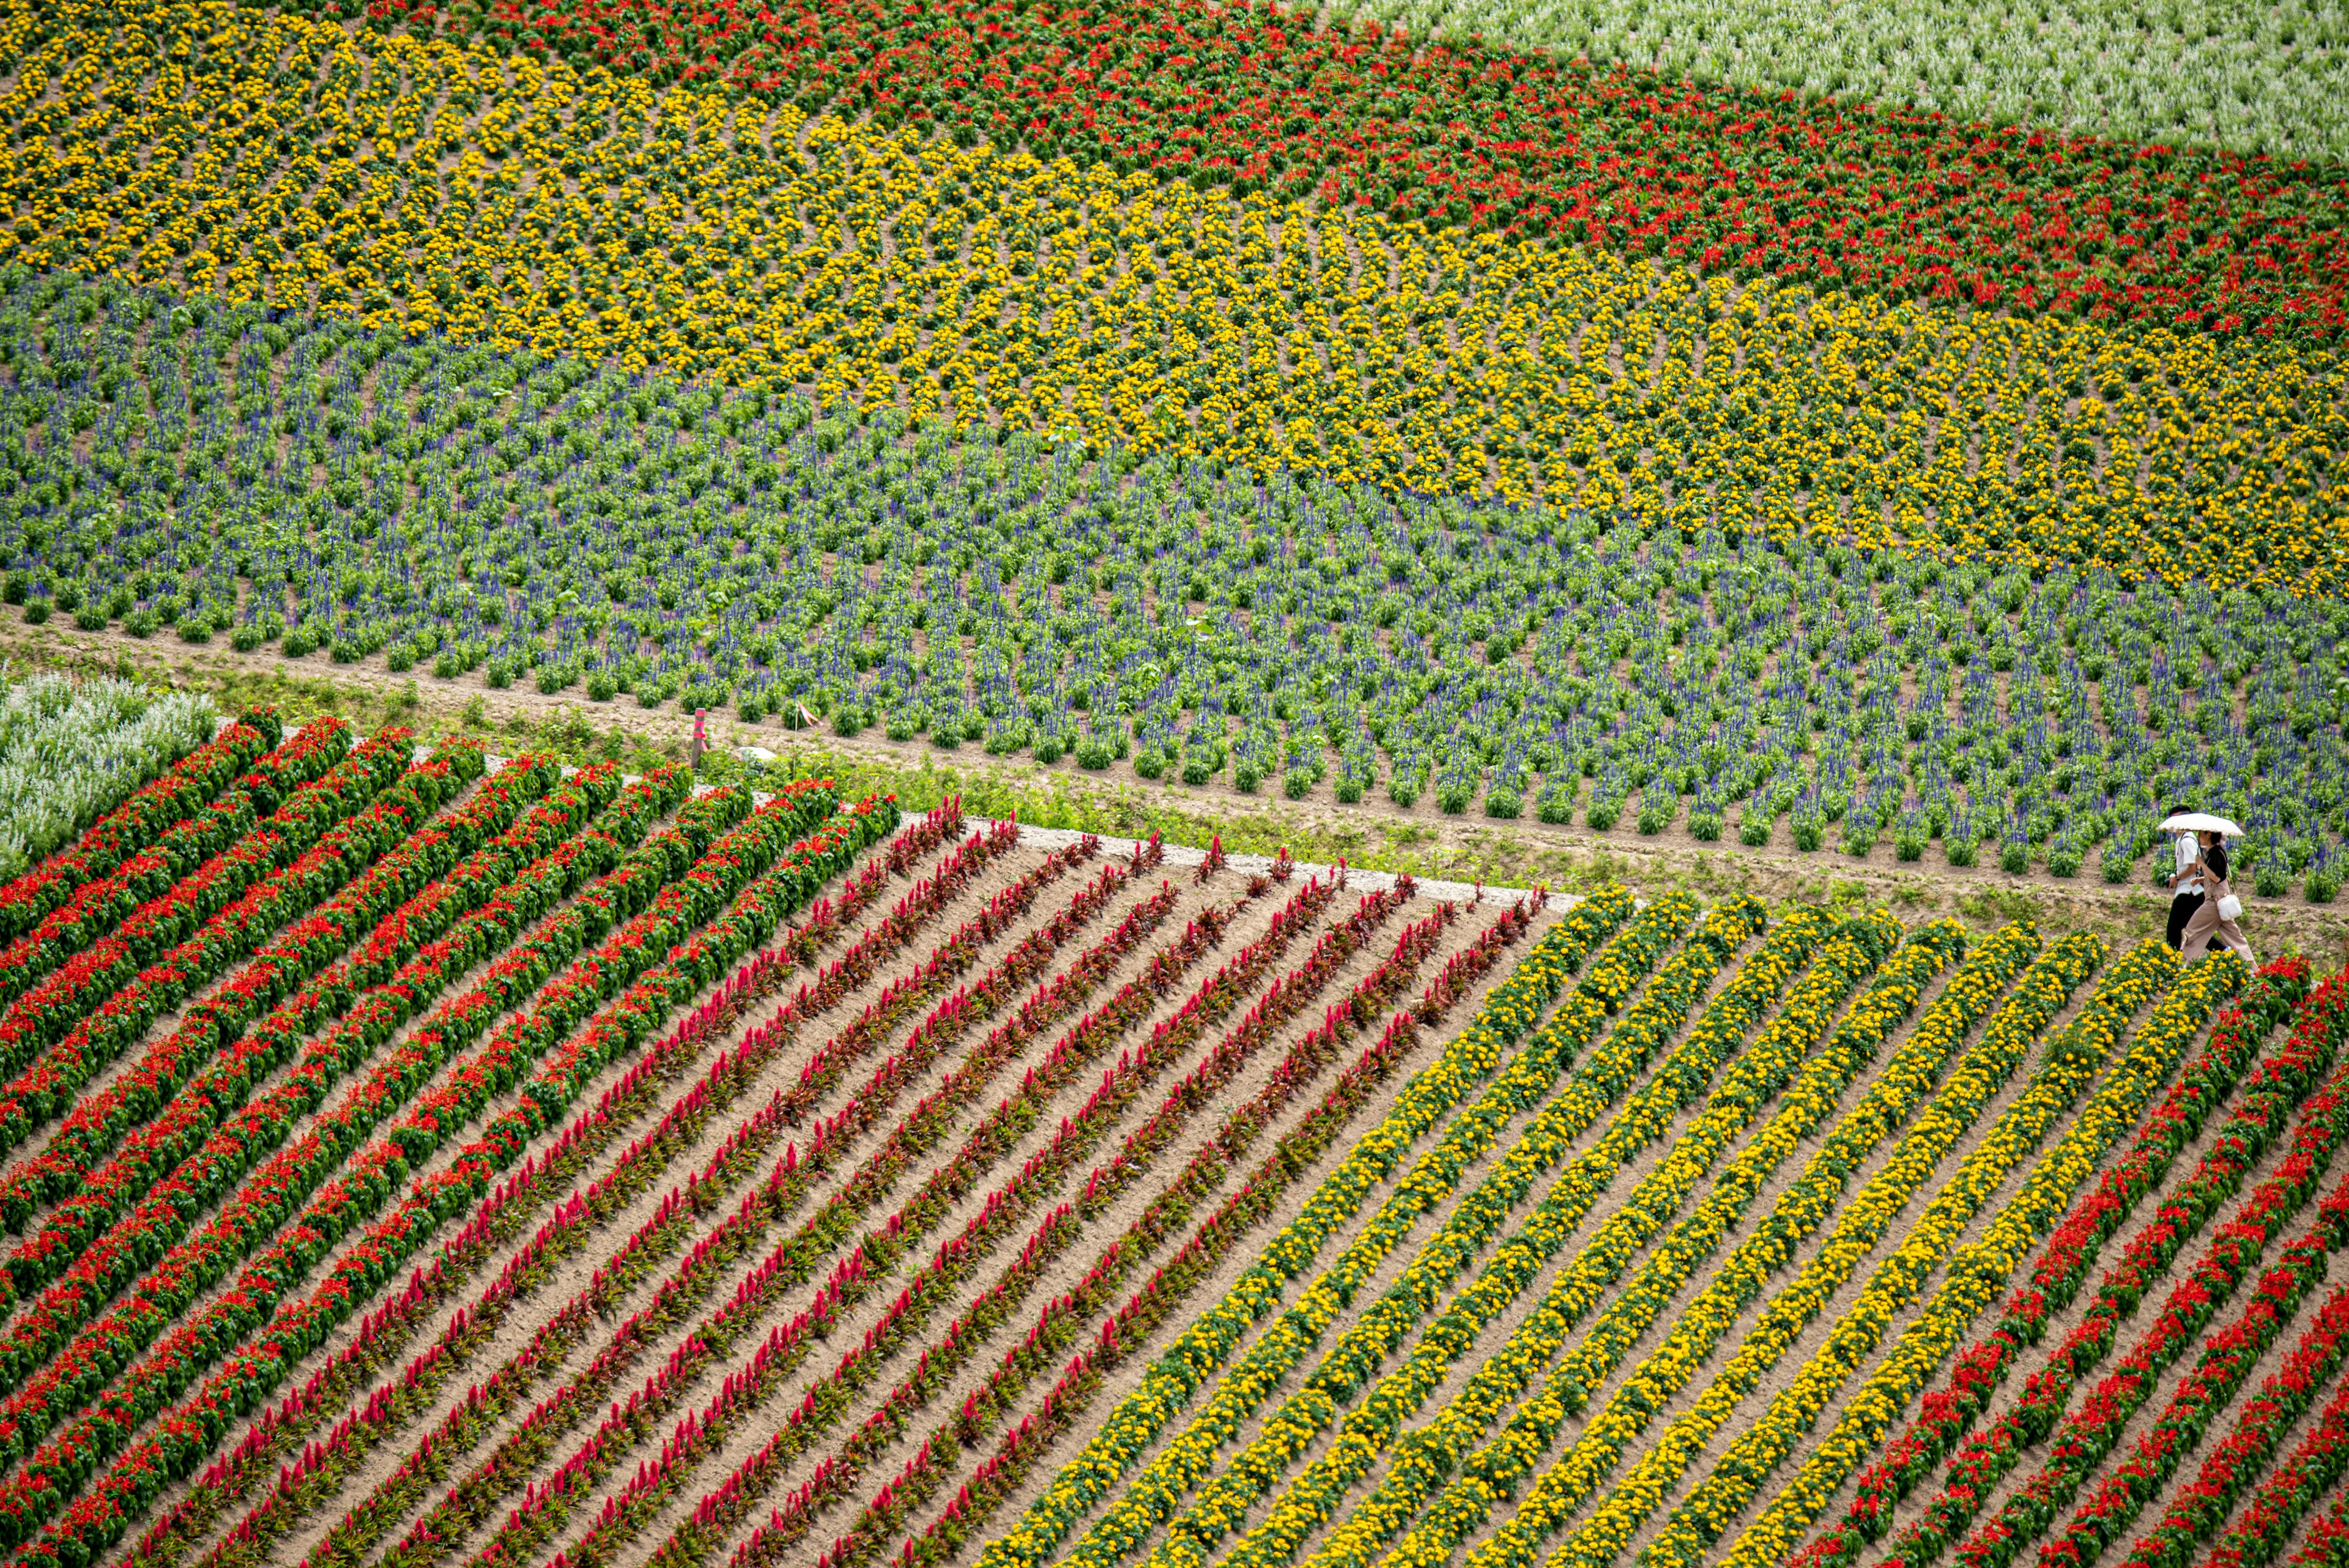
(2201, 822)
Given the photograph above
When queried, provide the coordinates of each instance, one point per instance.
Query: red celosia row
(543, 1508)
(2076, 1443)
(2267, 1097)
(2202, 1507)
(730, 890)
(385, 1411)
(1853, 196)
(136, 823)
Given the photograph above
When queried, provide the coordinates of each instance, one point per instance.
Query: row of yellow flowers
(1479, 1479)
(1562, 1489)
(1753, 1076)
(1716, 1047)
(1475, 1056)
(435, 187)
(1596, 1084)
(1975, 1280)
(2090, 1047)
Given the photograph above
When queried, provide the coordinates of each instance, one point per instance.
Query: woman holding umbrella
(2214, 908)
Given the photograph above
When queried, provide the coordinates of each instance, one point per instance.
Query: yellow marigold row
(1179, 1467)
(1563, 1489)
(1431, 1095)
(1716, 1044)
(1489, 1473)
(2088, 1048)
(432, 187)
(1976, 1279)
(1315, 1495)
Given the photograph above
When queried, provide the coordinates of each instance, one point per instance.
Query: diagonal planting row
(110, 988)
(1454, 1440)
(2267, 1093)
(2076, 1441)
(140, 824)
(654, 895)
(253, 1203)
(564, 1330)
(1971, 1274)
(621, 1189)
(1203, 1077)
(988, 1401)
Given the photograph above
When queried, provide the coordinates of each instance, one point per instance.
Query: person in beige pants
(2207, 922)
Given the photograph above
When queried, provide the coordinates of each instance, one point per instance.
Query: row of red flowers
(110, 990)
(2229, 1358)
(499, 1473)
(1866, 197)
(2266, 1094)
(149, 812)
(2201, 1508)
(57, 1378)
(206, 1138)
(675, 880)
(97, 1122)
(394, 1403)
(825, 1403)
(1060, 1318)
(796, 1259)
(2078, 1442)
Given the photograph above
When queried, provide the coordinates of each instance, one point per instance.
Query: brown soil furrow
(1816, 1333)
(1250, 920)
(680, 1074)
(844, 1169)
(2189, 1460)
(1074, 1260)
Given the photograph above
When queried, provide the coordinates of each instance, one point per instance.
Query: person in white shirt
(2185, 881)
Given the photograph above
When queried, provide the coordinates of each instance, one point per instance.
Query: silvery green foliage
(2254, 78)
(72, 750)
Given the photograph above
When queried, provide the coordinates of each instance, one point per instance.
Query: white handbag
(2230, 907)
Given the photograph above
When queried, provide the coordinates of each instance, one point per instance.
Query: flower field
(516, 368)
(423, 1158)
(416, 1158)
(506, 518)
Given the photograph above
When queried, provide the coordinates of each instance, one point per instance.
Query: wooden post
(701, 739)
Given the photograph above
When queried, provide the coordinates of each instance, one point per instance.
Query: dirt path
(1375, 833)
